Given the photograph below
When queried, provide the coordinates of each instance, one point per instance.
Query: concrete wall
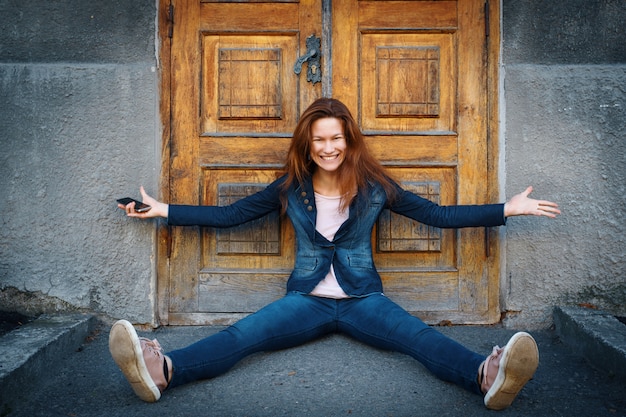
(79, 127)
(564, 68)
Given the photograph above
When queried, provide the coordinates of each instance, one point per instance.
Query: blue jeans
(298, 318)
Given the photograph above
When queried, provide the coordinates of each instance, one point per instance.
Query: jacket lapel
(305, 198)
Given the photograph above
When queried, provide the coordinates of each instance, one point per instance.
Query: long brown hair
(359, 167)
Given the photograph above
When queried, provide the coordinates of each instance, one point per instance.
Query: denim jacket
(350, 252)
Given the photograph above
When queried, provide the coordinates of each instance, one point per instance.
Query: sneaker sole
(126, 351)
(517, 366)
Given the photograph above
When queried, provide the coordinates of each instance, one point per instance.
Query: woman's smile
(328, 143)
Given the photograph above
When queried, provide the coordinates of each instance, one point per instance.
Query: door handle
(312, 56)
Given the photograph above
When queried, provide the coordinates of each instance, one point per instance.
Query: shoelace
(485, 382)
(155, 348)
(153, 345)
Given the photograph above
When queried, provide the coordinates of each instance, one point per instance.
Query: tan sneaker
(141, 361)
(505, 372)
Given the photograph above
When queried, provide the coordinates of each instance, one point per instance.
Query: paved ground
(334, 376)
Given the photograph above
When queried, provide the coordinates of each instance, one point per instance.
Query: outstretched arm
(158, 209)
(522, 205)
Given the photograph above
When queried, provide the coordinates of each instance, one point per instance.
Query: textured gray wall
(79, 128)
(565, 133)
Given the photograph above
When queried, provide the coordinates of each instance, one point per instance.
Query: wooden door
(414, 73)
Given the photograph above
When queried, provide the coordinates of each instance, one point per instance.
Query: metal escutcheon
(312, 56)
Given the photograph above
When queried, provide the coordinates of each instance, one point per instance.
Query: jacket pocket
(356, 261)
(306, 263)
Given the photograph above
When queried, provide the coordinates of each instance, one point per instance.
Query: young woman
(333, 191)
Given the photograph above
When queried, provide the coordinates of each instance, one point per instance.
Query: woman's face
(328, 144)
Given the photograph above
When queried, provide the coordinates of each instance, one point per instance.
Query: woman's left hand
(522, 205)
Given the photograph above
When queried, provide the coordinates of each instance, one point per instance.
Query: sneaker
(505, 372)
(141, 361)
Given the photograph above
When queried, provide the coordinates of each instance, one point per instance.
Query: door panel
(412, 78)
(235, 103)
(254, 89)
(416, 72)
(412, 72)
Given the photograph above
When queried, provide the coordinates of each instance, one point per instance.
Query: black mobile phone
(139, 206)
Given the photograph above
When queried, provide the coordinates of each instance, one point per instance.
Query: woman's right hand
(158, 209)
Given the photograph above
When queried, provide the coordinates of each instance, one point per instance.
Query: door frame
(166, 18)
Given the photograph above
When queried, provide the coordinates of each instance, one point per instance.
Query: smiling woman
(328, 147)
(327, 151)
(333, 193)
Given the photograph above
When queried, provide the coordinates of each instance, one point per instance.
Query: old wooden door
(414, 73)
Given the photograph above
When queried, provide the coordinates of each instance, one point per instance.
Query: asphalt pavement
(333, 376)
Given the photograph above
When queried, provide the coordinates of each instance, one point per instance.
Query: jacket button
(303, 194)
(310, 208)
(306, 201)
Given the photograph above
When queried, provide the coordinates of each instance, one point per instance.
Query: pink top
(329, 219)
